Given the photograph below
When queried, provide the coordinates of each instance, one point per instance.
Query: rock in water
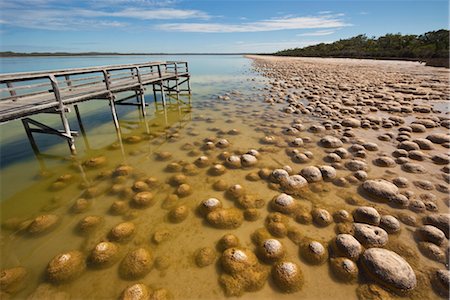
(389, 269)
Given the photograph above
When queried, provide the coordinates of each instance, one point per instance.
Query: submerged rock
(287, 276)
(137, 291)
(344, 269)
(65, 267)
(271, 250)
(12, 279)
(136, 264)
(205, 256)
(225, 218)
(104, 254)
(314, 252)
(42, 224)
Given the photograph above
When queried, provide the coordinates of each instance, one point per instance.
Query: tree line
(431, 47)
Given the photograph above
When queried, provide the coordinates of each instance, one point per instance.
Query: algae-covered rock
(271, 250)
(42, 224)
(205, 256)
(287, 276)
(12, 279)
(228, 241)
(225, 218)
(137, 291)
(104, 254)
(283, 203)
(136, 264)
(314, 252)
(65, 267)
(243, 272)
(344, 269)
(89, 223)
(122, 232)
(143, 199)
(178, 214)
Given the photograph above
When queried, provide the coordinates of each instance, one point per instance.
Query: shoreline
(385, 59)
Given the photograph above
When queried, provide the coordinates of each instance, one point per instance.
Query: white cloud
(323, 21)
(80, 19)
(317, 33)
(159, 14)
(270, 47)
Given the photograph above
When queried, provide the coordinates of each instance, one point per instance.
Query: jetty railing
(28, 93)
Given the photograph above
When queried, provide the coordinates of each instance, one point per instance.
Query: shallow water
(28, 187)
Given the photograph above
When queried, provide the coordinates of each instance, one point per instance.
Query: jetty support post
(140, 92)
(80, 124)
(176, 81)
(110, 96)
(162, 86)
(62, 109)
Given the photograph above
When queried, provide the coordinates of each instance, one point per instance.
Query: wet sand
(307, 142)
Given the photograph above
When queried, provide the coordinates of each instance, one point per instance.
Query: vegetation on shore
(431, 47)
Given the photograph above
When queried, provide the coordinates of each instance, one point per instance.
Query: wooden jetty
(30, 93)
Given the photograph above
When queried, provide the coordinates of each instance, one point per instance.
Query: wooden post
(12, 92)
(162, 85)
(68, 82)
(176, 81)
(112, 104)
(154, 93)
(141, 91)
(80, 124)
(62, 112)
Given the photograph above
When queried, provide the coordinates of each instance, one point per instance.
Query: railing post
(62, 112)
(68, 82)
(12, 92)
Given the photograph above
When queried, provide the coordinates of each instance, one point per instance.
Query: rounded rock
(287, 276)
(178, 214)
(344, 269)
(136, 264)
(366, 214)
(65, 267)
(346, 245)
(104, 254)
(314, 253)
(42, 224)
(122, 232)
(389, 269)
(311, 174)
(271, 250)
(205, 257)
(321, 217)
(137, 291)
(370, 236)
(283, 203)
(390, 224)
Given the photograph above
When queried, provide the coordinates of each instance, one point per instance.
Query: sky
(206, 26)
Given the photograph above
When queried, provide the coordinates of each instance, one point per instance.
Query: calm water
(54, 185)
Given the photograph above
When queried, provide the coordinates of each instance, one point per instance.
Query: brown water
(171, 130)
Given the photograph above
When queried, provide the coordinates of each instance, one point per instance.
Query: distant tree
(430, 45)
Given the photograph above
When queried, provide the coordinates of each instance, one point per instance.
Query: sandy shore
(387, 122)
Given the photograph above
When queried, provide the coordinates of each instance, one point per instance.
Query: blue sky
(205, 26)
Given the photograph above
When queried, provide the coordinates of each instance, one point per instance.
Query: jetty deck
(30, 93)
(23, 94)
